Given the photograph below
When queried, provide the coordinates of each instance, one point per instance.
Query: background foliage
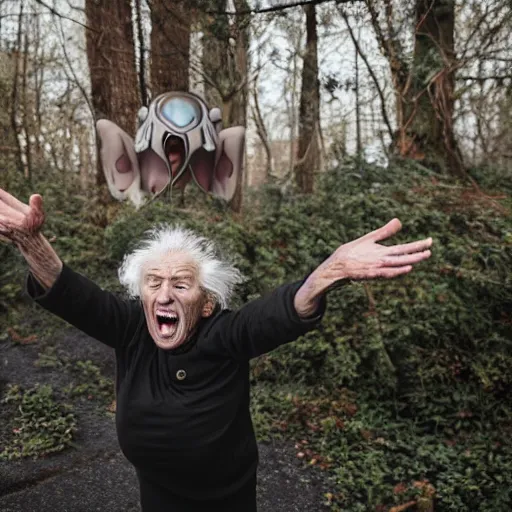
(41, 425)
(402, 394)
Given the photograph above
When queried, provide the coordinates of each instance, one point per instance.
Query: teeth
(168, 315)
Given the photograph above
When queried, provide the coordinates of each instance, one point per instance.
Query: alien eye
(181, 112)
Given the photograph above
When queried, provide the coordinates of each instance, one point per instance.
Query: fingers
(16, 217)
(384, 272)
(409, 248)
(389, 273)
(405, 259)
(35, 219)
(12, 202)
(5, 239)
(386, 231)
(36, 202)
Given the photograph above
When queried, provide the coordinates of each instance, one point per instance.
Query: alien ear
(154, 174)
(228, 168)
(142, 115)
(215, 116)
(119, 162)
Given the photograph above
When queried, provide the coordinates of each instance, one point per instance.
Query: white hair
(217, 277)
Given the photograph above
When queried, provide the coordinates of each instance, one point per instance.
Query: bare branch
(370, 71)
(275, 8)
(64, 17)
(484, 78)
(261, 130)
(73, 74)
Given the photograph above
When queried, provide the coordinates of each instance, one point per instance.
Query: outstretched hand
(18, 221)
(363, 258)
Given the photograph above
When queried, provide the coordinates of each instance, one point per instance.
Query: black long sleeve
(262, 325)
(182, 415)
(80, 302)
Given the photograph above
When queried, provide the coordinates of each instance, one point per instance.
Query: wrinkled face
(172, 299)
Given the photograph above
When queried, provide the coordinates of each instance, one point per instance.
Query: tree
(225, 66)
(308, 155)
(15, 59)
(434, 84)
(111, 59)
(484, 80)
(424, 85)
(10, 149)
(170, 46)
(225, 61)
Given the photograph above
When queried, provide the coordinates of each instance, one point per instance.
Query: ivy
(41, 425)
(402, 394)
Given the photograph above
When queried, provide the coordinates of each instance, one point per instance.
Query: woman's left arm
(292, 310)
(361, 259)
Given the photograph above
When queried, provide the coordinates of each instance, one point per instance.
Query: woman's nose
(165, 295)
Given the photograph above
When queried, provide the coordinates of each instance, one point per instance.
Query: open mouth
(175, 150)
(167, 323)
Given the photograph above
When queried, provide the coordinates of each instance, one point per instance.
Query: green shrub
(429, 354)
(90, 383)
(41, 425)
(442, 326)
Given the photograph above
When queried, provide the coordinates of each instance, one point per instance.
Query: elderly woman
(182, 380)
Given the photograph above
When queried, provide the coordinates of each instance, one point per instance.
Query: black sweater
(182, 415)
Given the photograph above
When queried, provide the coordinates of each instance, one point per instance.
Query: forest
(356, 112)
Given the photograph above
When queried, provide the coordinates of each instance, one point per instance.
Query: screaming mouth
(170, 319)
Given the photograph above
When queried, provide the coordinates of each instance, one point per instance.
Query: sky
(274, 52)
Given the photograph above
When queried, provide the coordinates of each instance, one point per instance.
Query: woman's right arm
(20, 224)
(56, 287)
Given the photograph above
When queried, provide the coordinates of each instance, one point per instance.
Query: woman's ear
(208, 306)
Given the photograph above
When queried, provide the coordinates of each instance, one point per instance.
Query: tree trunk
(111, 58)
(431, 99)
(226, 69)
(424, 91)
(26, 109)
(214, 42)
(239, 70)
(308, 155)
(359, 142)
(170, 46)
(226, 62)
(17, 56)
(144, 92)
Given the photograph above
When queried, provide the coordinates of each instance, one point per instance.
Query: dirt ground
(93, 475)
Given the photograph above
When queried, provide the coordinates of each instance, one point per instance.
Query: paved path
(108, 484)
(94, 476)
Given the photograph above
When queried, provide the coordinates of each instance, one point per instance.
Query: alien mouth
(175, 150)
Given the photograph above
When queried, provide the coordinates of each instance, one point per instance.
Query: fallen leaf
(20, 339)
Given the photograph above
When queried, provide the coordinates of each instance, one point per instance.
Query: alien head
(178, 140)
